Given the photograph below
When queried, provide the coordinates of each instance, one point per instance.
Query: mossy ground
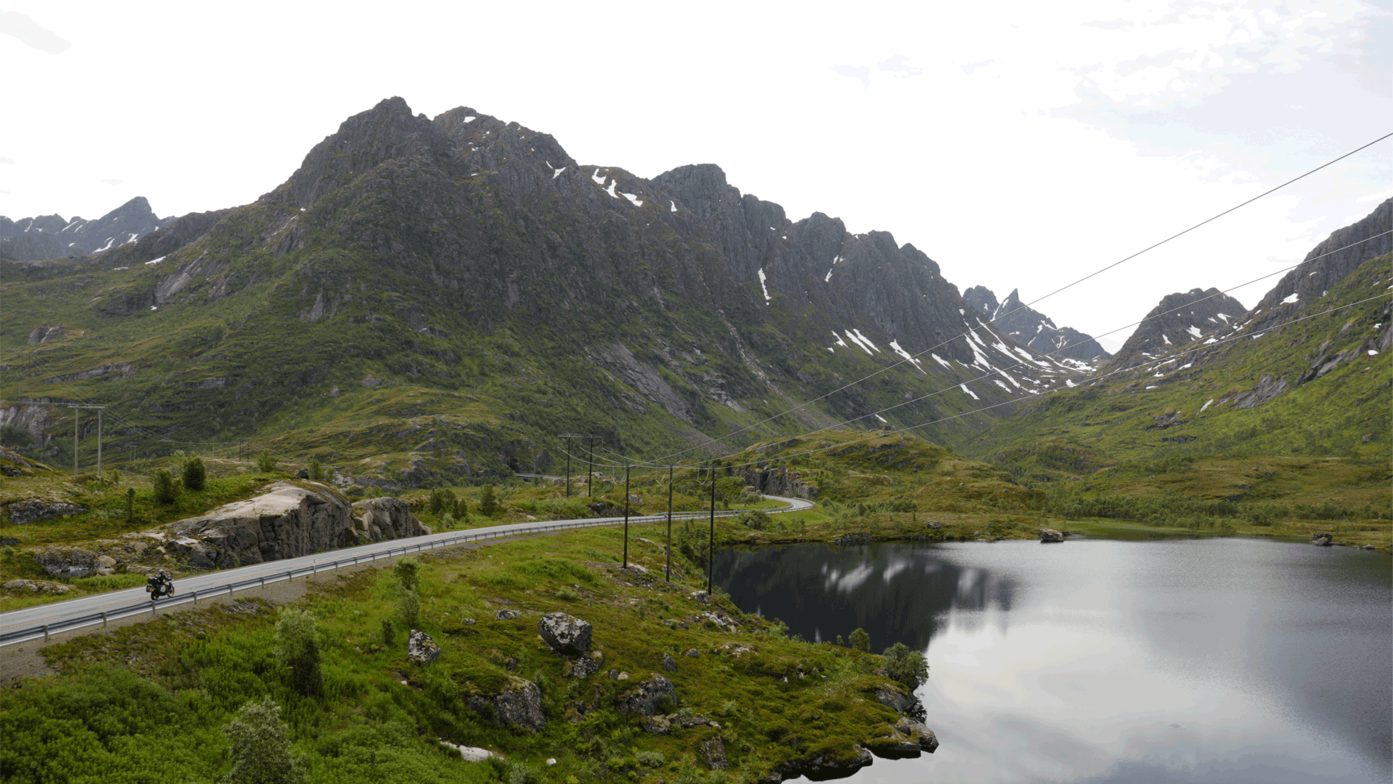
(146, 701)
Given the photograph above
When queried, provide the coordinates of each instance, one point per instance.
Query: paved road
(27, 624)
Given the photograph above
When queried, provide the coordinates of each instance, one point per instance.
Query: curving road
(32, 623)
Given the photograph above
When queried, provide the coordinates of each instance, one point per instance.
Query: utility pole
(589, 439)
(669, 523)
(711, 537)
(626, 517)
(77, 431)
(590, 468)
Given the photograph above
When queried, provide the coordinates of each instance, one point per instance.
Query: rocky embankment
(287, 521)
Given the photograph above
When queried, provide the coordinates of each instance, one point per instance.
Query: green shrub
(652, 759)
(906, 666)
(261, 746)
(162, 485)
(488, 504)
(408, 573)
(409, 607)
(130, 504)
(860, 640)
(265, 463)
(754, 520)
(389, 632)
(297, 649)
(316, 470)
(194, 474)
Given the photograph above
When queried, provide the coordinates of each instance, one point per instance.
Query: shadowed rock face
(287, 522)
(1180, 319)
(1032, 328)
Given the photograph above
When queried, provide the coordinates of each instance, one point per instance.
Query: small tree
(265, 463)
(195, 475)
(462, 511)
(488, 505)
(162, 484)
(316, 470)
(906, 666)
(860, 640)
(130, 504)
(297, 649)
(389, 632)
(261, 746)
(408, 573)
(409, 607)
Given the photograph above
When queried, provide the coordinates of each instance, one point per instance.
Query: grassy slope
(1312, 458)
(191, 670)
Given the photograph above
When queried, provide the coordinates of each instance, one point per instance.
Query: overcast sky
(1019, 145)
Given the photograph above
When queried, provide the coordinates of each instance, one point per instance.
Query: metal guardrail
(153, 606)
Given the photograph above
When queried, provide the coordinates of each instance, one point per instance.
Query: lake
(1218, 660)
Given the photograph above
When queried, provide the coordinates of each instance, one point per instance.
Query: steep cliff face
(1325, 266)
(1032, 328)
(1180, 319)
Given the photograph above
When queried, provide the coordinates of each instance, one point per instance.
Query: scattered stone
(669, 663)
(823, 768)
(623, 676)
(658, 725)
(506, 615)
(673, 623)
(713, 750)
(303, 473)
(891, 698)
(648, 696)
(1322, 539)
(511, 664)
(1367, 547)
(8, 541)
(701, 597)
(565, 634)
(471, 753)
(933, 526)
(923, 735)
(69, 562)
(692, 653)
(1049, 535)
(585, 665)
(468, 621)
(38, 586)
(421, 649)
(614, 675)
(734, 649)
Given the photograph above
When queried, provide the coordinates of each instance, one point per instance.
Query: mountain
(1257, 390)
(1178, 320)
(51, 237)
(1034, 329)
(445, 296)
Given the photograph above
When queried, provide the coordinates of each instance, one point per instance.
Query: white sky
(1019, 145)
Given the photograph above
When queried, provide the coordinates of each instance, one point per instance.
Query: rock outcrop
(648, 697)
(1032, 328)
(1179, 319)
(286, 522)
(518, 705)
(1049, 535)
(31, 510)
(421, 649)
(565, 634)
(777, 481)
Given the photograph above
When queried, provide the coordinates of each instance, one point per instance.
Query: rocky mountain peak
(52, 237)
(1032, 328)
(1180, 319)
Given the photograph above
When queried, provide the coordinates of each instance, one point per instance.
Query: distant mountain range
(52, 237)
(439, 297)
(1033, 328)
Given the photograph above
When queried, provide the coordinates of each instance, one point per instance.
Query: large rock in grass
(825, 767)
(518, 705)
(421, 649)
(648, 697)
(1049, 535)
(1322, 539)
(565, 634)
(32, 510)
(68, 562)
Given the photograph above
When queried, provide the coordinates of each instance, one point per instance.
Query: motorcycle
(159, 585)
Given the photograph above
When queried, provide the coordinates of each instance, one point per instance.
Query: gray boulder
(565, 634)
(713, 750)
(506, 615)
(585, 665)
(420, 648)
(647, 697)
(669, 663)
(31, 510)
(1049, 535)
(68, 562)
(380, 519)
(520, 705)
(1322, 539)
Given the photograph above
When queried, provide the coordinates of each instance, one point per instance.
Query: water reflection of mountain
(896, 592)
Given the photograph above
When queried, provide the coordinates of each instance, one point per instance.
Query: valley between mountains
(428, 307)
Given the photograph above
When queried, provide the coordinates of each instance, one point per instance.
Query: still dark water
(1225, 661)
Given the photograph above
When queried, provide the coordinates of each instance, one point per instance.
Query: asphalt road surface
(34, 623)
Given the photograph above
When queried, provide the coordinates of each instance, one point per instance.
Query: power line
(1020, 363)
(994, 319)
